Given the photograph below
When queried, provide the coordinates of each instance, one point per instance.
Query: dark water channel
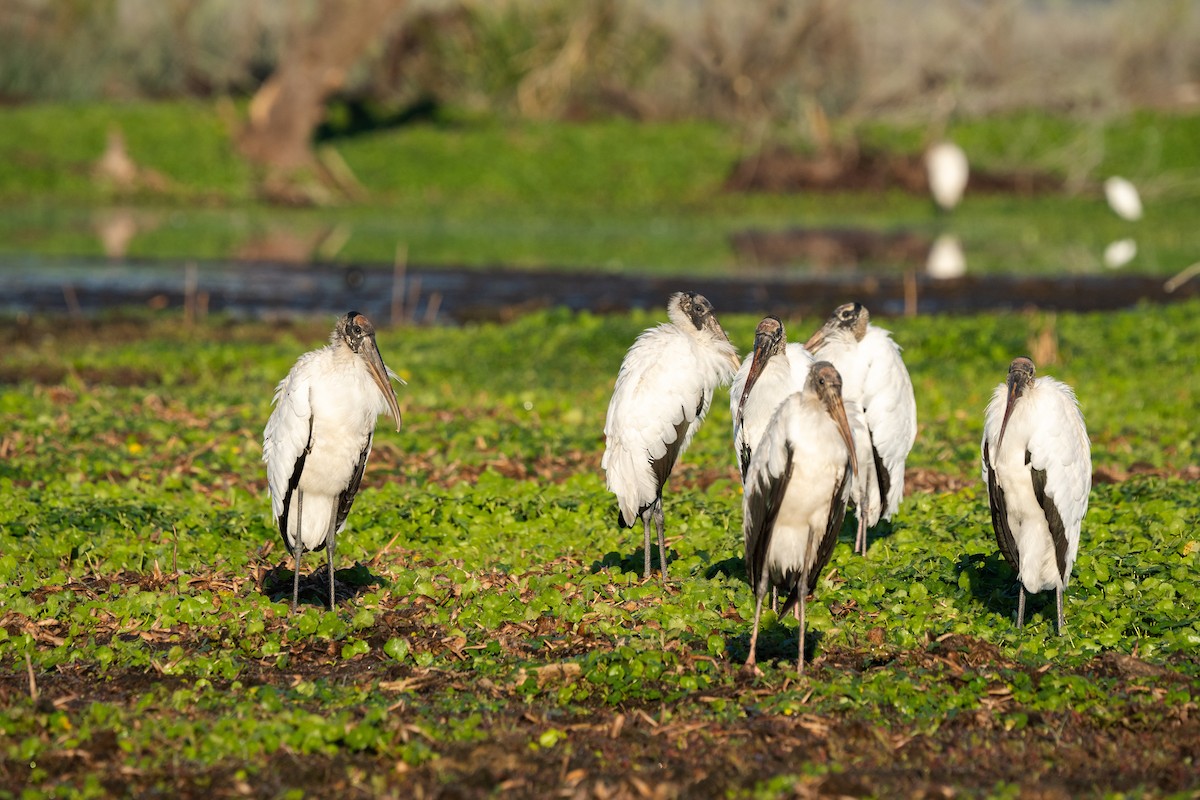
(456, 295)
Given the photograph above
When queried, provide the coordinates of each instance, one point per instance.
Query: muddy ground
(648, 750)
(855, 168)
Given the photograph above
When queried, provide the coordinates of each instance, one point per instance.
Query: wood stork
(776, 370)
(1038, 469)
(1123, 198)
(662, 394)
(947, 172)
(318, 438)
(875, 378)
(796, 493)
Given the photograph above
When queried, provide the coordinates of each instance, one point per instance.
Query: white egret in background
(796, 493)
(663, 392)
(947, 172)
(874, 377)
(1038, 469)
(1123, 198)
(318, 438)
(1120, 253)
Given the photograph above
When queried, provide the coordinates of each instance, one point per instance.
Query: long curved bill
(1014, 391)
(837, 410)
(758, 361)
(713, 325)
(380, 374)
(815, 341)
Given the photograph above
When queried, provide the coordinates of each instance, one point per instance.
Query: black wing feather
(884, 477)
(825, 548)
(662, 466)
(837, 514)
(346, 498)
(293, 482)
(1004, 536)
(1058, 533)
(764, 508)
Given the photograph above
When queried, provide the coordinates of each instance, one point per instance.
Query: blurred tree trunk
(323, 45)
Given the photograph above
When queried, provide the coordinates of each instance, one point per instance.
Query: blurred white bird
(797, 487)
(1038, 469)
(1123, 198)
(947, 171)
(318, 438)
(663, 392)
(874, 377)
(1120, 253)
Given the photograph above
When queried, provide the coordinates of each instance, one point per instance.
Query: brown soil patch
(781, 169)
(640, 751)
(825, 249)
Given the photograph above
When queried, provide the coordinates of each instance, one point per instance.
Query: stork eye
(356, 329)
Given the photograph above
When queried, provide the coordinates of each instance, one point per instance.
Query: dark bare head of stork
(1020, 376)
(688, 309)
(356, 332)
(849, 320)
(769, 341)
(826, 382)
(691, 312)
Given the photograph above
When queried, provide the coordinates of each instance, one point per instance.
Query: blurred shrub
(537, 58)
(780, 61)
(121, 49)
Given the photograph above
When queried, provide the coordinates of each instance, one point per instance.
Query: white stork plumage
(1038, 469)
(797, 488)
(874, 377)
(774, 370)
(318, 438)
(662, 394)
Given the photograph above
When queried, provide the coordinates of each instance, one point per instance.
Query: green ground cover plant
(500, 639)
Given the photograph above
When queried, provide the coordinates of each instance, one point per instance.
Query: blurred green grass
(468, 189)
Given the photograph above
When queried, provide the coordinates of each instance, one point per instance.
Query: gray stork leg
(330, 542)
(646, 525)
(800, 618)
(774, 599)
(860, 541)
(750, 659)
(1062, 620)
(1020, 605)
(662, 541)
(297, 550)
